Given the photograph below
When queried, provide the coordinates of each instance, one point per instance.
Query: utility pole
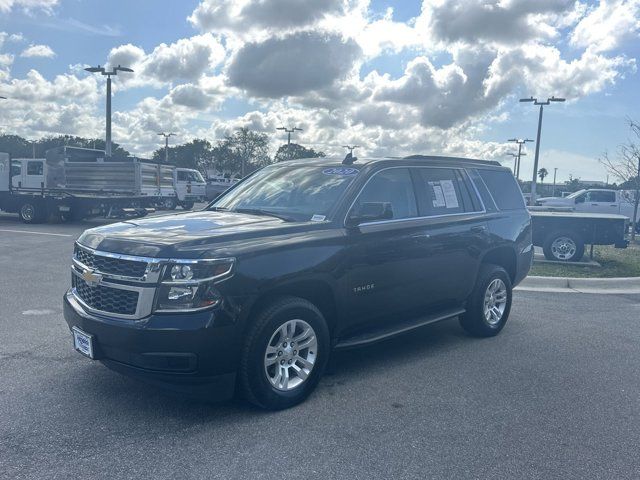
(108, 74)
(289, 132)
(535, 161)
(166, 145)
(520, 143)
(555, 171)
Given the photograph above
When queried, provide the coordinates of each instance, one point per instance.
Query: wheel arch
(316, 291)
(504, 257)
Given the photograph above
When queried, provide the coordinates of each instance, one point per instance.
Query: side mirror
(370, 212)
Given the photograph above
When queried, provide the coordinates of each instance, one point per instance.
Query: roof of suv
(359, 162)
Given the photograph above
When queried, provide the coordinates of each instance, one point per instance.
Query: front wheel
(489, 304)
(187, 205)
(31, 212)
(285, 354)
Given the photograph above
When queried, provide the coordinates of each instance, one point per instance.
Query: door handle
(594, 204)
(420, 237)
(479, 229)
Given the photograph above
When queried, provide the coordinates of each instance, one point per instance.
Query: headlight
(189, 285)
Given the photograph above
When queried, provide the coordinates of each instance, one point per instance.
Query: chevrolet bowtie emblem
(92, 279)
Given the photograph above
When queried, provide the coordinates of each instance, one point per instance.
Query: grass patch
(616, 262)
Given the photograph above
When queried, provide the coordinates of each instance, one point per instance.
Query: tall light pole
(108, 74)
(289, 132)
(166, 144)
(520, 143)
(555, 172)
(535, 161)
(516, 160)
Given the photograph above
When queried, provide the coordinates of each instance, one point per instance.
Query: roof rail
(448, 159)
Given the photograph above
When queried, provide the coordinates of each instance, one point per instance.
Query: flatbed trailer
(75, 183)
(563, 235)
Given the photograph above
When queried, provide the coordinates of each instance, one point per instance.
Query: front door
(33, 173)
(598, 201)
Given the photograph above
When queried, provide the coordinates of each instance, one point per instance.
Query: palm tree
(542, 173)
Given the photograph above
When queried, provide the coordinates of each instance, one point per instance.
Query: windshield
(295, 193)
(575, 194)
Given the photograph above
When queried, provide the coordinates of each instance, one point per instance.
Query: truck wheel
(284, 355)
(187, 205)
(31, 212)
(564, 246)
(489, 304)
(169, 203)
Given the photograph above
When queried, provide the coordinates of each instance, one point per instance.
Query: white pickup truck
(620, 202)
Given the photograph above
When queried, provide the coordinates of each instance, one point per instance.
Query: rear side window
(504, 189)
(446, 192)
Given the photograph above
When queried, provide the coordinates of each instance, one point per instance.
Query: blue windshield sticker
(344, 171)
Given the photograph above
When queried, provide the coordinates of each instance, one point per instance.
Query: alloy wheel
(495, 301)
(290, 355)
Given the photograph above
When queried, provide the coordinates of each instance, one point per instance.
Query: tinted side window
(34, 168)
(445, 194)
(182, 176)
(392, 186)
(601, 197)
(489, 204)
(504, 189)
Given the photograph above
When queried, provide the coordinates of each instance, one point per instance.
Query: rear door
(453, 234)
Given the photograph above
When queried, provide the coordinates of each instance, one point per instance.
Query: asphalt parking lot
(556, 395)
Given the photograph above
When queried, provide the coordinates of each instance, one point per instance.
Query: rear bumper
(195, 354)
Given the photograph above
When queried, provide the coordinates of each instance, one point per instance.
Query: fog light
(181, 293)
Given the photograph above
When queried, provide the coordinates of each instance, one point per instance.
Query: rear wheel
(285, 354)
(563, 246)
(31, 212)
(489, 304)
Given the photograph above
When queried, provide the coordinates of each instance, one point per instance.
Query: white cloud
(187, 59)
(607, 26)
(28, 5)
(38, 51)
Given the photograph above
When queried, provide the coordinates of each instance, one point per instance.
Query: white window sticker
(438, 195)
(318, 218)
(449, 191)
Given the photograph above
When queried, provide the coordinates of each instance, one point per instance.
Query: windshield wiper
(258, 211)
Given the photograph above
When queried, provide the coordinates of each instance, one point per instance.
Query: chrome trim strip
(423, 217)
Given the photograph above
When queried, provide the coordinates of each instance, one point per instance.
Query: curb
(619, 285)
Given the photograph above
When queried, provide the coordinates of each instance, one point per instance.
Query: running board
(396, 329)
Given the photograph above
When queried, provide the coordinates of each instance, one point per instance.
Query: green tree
(18, 146)
(542, 173)
(194, 154)
(249, 151)
(294, 151)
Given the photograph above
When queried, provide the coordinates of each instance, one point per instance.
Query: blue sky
(394, 77)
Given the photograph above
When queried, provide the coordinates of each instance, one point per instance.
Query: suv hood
(165, 235)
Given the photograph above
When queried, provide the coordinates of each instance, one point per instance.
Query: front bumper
(193, 353)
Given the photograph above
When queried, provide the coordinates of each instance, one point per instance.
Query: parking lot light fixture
(166, 144)
(535, 101)
(520, 142)
(108, 73)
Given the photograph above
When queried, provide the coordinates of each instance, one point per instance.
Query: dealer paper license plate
(83, 342)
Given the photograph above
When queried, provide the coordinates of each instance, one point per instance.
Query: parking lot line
(35, 233)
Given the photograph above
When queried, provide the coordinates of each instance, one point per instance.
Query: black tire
(169, 203)
(252, 376)
(474, 320)
(186, 205)
(555, 254)
(31, 211)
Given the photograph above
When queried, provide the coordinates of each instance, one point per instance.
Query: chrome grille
(106, 299)
(110, 265)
